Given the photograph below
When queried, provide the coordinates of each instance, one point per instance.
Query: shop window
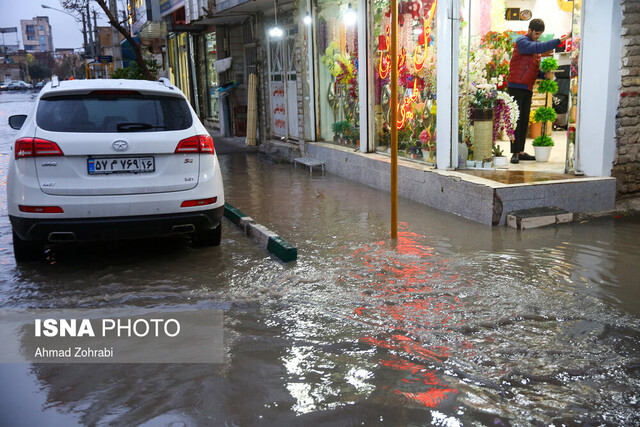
(172, 58)
(487, 36)
(337, 41)
(416, 67)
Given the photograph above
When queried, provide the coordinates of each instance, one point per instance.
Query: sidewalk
(623, 206)
(231, 145)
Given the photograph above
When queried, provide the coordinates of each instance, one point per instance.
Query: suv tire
(25, 250)
(208, 237)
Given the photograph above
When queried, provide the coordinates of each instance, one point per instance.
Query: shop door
(292, 91)
(277, 89)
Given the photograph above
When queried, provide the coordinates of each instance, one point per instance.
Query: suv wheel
(25, 251)
(208, 237)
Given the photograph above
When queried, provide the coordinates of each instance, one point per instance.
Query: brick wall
(626, 165)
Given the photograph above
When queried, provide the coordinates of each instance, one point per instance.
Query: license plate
(121, 165)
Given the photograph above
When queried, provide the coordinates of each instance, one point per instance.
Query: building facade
(36, 34)
(326, 79)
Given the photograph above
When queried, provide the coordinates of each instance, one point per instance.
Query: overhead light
(307, 19)
(275, 32)
(350, 17)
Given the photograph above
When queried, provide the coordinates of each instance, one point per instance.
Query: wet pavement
(455, 323)
(519, 176)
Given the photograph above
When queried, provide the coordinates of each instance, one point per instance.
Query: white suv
(111, 159)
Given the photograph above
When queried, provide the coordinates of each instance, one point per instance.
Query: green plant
(547, 86)
(342, 127)
(497, 151)
(548, 64)
(416, 148)
(120, 73)
(135, 72)
(352, 134)
(484, 97)
(545, 114)
(543, 141)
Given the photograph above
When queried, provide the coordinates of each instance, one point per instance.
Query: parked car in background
(39, 85)
(4, 86)
(19, 85)
(103, 160)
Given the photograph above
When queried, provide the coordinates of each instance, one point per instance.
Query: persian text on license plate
(121, 165)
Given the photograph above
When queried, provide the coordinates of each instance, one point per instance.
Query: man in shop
(524, 69)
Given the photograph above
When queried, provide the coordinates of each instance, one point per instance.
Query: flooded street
(455, 323)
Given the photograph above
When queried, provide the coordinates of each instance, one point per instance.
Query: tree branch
(136, 46)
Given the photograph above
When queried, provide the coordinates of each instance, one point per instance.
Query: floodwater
(455, 323)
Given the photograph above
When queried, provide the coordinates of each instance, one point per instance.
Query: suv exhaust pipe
(62, 236)
(183, 229)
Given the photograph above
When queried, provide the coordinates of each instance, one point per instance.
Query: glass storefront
(487, 35)
(337, 42)
(416, 67)
(487, 32)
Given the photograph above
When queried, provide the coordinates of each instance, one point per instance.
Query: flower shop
(455, 117)
(486, 114)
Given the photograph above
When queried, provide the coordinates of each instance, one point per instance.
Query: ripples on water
(511, 337)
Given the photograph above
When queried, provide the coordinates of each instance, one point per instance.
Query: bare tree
(118, 25)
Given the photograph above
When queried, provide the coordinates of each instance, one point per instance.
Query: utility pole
(84, 33)
(115, 37)
(93, 52)
(95, 28)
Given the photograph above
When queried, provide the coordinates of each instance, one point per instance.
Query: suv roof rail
(165, 81)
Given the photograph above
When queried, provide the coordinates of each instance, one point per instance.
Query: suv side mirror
(17, 121)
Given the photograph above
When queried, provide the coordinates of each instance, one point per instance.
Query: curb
(266, 238)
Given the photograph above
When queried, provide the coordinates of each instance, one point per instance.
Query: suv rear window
(113, 112)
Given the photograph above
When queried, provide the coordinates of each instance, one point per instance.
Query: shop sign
(170, 6)
(279, 112)
(140, 10)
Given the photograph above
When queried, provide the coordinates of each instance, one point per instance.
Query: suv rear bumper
(117, 228)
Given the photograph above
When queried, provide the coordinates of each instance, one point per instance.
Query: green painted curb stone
(266, 238)
(233, 214)
(282, 249)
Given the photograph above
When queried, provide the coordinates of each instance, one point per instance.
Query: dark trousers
(523, 99)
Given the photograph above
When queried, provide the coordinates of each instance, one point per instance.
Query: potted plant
(415, 150)
(340, 130)
(546, 115)
(482, 113)
(535, 128)
(542, 147)
(499, 159)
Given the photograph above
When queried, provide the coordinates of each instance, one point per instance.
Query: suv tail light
(196, 144)
(36, 147)
(40, 209)
(200, 202)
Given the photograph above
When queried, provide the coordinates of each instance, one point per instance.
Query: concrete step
(538, 217)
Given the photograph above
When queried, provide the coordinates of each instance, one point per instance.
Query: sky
(67, 33)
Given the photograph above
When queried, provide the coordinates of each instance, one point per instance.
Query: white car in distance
(99, 160)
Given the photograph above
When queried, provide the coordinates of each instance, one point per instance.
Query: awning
(128, 54)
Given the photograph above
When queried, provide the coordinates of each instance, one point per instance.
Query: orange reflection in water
(400, 298)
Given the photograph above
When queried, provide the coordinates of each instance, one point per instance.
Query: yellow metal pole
(394, 118)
